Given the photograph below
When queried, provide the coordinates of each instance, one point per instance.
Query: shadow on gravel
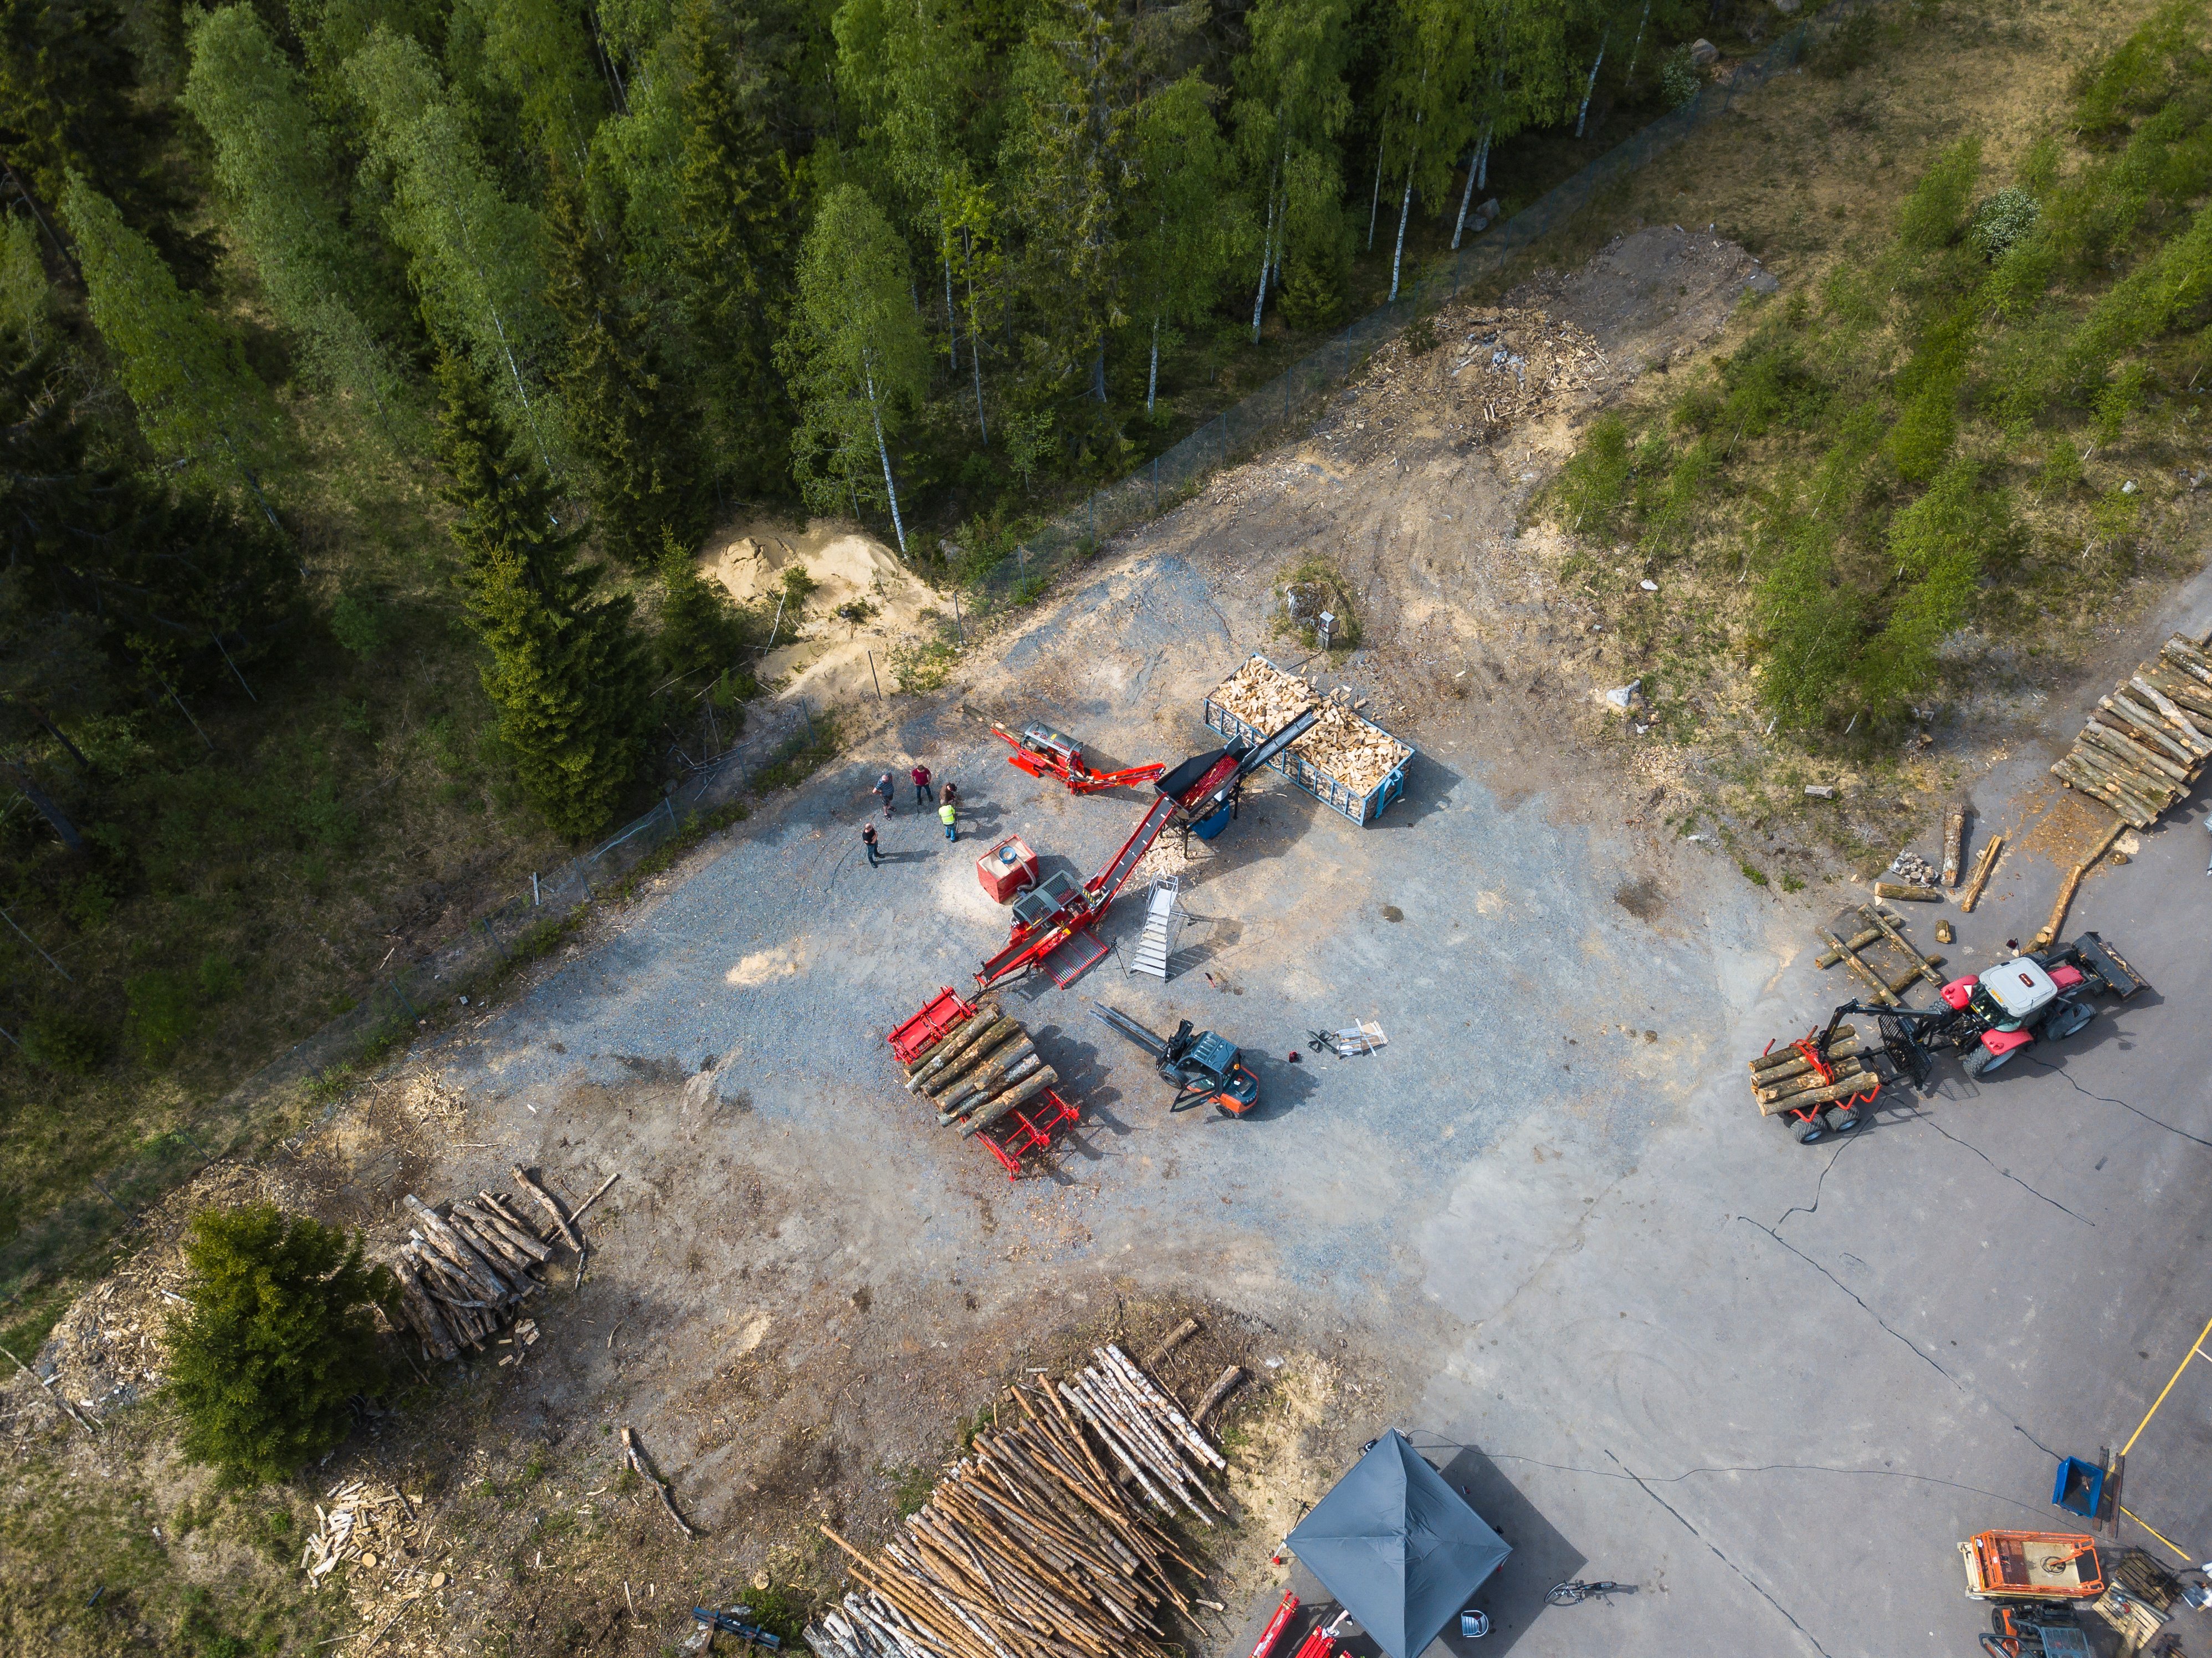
(1429, 783)
(1514, 1598)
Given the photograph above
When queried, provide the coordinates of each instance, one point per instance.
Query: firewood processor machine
(1040, 749)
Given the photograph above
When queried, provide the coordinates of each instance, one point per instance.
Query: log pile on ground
(1354, 751)
(466, 1268)
(1033, 1546)
(1513, 363)
(981, 1069)
(2145, 746)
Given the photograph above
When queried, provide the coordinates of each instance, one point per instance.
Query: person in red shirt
(920, 775)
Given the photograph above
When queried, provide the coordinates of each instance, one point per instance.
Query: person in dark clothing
(920, 775)
(868, 840)
(952, 794)
(885, 790)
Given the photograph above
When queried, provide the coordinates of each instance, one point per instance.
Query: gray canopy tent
(1399, 1548)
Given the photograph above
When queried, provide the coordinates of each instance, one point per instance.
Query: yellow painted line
(2160, 1399)
(2161, 1536)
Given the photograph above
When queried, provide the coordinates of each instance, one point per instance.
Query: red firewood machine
(1040, 749)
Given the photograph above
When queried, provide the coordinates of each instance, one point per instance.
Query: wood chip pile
(2146, 745)
(1031, 1548)
(466, 1268)
(1355, 751)
(1512, 363)
(981, 1069)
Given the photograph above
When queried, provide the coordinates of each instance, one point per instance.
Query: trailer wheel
(1811, 1131)
(1842, 1122)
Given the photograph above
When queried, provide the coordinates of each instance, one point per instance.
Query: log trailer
(1040, 749)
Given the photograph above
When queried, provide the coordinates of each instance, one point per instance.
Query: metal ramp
(1162, 915)
(1074, 956)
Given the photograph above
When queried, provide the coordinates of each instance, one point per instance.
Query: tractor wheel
(1981, 1061)
(1811, 1131)
(1842, 1122)
(2068, 1020)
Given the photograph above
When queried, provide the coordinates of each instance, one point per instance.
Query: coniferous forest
(371, 370)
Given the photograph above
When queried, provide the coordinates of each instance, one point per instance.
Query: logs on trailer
(463, 1274)
(1779, 1062)
(1353, 750)
(2143, 748)
(1033, 1547)
(989, 1111)
(988, 1025)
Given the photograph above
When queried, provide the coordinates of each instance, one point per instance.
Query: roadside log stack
(465, 1269)
(983, 1068)
(1048, 1540)
(2146, 745)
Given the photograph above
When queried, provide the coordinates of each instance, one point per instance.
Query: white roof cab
(2020, 987)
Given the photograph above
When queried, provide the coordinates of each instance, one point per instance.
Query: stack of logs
(2143, 750)
(1029, 1547)
(981, 1069)
(462, 1273)
(1783, 1079)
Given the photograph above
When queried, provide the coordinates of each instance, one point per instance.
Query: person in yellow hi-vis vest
(950, 814)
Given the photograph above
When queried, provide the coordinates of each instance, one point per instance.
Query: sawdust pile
(428, 1098)
(378, 1547)
(1170, 856)
(1353, 751)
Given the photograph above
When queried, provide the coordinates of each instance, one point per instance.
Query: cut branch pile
(2147, 742)
(466, 1268)
(1353, 750)
(981, 1069)
(1029, 1547)
(1513, 363)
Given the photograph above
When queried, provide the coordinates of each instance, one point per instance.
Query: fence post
(393, 983)
(1156, 486)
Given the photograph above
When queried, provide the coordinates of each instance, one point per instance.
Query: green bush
(357, 622)
(164, 1012)
(1679, 83)
(2001, 223)
(61, 1040)
(1594, 484)
(1934, 213)
(275, 1338)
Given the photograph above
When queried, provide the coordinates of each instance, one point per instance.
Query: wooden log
(985, 1012)
(979, 1053)
(2183, 688)
(1908, 892)
(511, 1225)
(1805, 1082)
(645, 1471)
(1163, 1407)
(457, 1249)
(545, 1201)
(2176, 716)
(1845, 1088)
(1799, 1066)
(1020, 1070)
(1954, 830)
(484, 1238)
(2100, 786)
(1174, 1339)
(984, 1116)
(421, 1313)
(584, 1208)
(2188, 659)
(1923, 967)
(1983, 869)
(1856, 941)
(1787, 1054)
(981, 1082)
(2150, 724)
(1219, 1391)
(1861, 971)
(954, 1045)
(2129, 770)
(2122, 747)
(2050, 933)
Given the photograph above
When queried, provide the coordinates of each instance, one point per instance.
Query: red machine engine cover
(2066, 977)
(2003, 1042)
(1958, 992)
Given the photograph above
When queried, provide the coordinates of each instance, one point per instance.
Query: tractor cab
(2008, 996)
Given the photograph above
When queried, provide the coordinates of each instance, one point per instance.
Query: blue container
(1207, 828)
(2080, 1487)
(1361, 809)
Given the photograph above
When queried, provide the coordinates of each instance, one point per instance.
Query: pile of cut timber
(980, 1070)
(1029, 1547)
(368, 1523)
(1521, 359)
(465, 1268)
(1852, 935)
(1783, 1079)
(1357, 752)
(2146, 745)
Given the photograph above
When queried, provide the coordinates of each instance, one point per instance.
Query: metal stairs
(1162, 918)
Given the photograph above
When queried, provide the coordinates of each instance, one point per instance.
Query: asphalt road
(1772, 1387)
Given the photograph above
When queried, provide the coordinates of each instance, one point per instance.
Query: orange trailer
(2032, 1565)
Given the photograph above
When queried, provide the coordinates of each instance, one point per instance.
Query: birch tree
(856, 356)
(1291, 105)
(1433, 69)
(1186, 227)
(273, 161)
(477, 257)
(197, 402)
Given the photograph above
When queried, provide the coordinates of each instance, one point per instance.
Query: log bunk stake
(1029, 1547)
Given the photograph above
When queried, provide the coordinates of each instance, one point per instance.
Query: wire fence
(73, 1239)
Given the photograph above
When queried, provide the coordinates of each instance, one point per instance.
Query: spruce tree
(702, 629)
(565, 673)
(275, 1338)
(625, 421)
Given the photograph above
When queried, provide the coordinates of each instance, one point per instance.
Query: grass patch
(1306, 592)
(802, 754)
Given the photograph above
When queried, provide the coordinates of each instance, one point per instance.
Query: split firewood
(1982, 871)
(545, 1201)
(645, 1471)
(1219, 1391)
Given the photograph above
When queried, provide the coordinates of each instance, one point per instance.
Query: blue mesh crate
(1362, 809)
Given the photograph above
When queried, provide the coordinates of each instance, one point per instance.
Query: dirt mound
(864, 600)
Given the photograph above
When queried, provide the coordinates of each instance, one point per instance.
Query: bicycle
(1574, 1593)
